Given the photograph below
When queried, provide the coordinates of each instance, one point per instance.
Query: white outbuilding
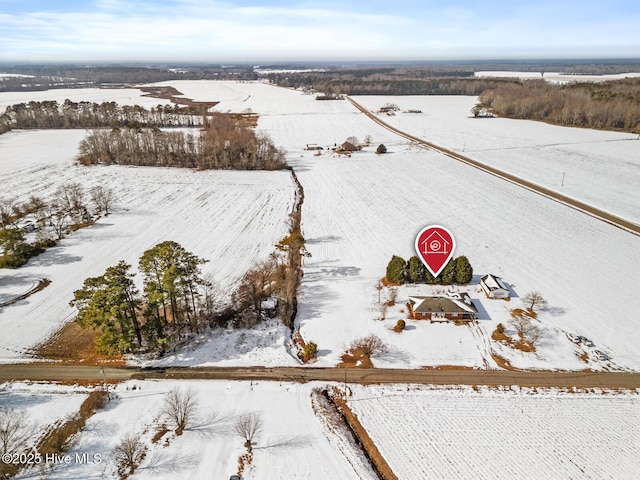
(494, 287)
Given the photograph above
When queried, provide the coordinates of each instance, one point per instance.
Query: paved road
(69, 373)
(552, 194)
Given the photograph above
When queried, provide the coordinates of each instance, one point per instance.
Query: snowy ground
(455, 432)
(45, 404)
(358, 212)
(211, 448)
(232, 219)
(421, 431)
(600, 168)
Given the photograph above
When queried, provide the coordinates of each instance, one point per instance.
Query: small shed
(494, 287)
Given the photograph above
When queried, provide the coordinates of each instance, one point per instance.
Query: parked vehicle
(600, 355)
(573, 337)
(586, 342)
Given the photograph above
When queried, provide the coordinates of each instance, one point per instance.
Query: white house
(494, 287)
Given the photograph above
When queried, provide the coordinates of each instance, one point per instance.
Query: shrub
(500, 328)
(396, 269)
(310, 351)
(370, 345)
(464, 270)
(400, 324)
(381, 149)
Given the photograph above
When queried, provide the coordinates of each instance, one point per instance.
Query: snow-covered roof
(460, 303)
(493, 283)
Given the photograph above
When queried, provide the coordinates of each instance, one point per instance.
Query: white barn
(494, 287)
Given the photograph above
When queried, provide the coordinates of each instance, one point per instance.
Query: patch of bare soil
(387, 283)
(171, 94)
(521, 344)
(74, 344)
(355, 358)
(502, 362)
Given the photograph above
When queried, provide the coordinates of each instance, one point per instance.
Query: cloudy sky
(259, 30)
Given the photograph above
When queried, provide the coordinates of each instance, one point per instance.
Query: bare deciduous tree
(534, 299)
(15, 430)
(180, 408)
(103, 197)
(248, 427)
(7, 213)
(370, 345)
(128, 454)
(525, 328)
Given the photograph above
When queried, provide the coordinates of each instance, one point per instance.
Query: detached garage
(494, 287)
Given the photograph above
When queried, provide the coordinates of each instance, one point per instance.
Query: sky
(259, 30)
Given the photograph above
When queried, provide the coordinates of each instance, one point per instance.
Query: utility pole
(563, 174)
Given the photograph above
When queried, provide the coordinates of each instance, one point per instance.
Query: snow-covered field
(232, 219)
(600, 168)
(293, 443)
(421, 431)
(44, 404)
(358, 212)
(455, 432)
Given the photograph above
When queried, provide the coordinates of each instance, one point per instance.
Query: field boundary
(369, 448)
(594, 212)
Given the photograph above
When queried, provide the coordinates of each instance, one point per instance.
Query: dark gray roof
(462, 304)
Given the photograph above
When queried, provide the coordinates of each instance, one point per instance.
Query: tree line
(48, 220)
(84, 114)
(225, 143)
(612, 105)
(457, 270)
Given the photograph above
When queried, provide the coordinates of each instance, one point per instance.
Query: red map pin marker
(435, 246)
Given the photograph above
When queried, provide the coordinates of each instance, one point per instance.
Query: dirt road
(570, 202)
(72, 373)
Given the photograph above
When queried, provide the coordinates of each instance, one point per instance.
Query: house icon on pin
(435, 243)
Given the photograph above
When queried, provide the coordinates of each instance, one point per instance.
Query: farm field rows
(358, 212)
(451, 433)
(601, 168)
(233, 219)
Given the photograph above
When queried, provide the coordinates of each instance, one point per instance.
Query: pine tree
(464, 270)
(109, 303)
(416, 270)
(396, 270)
(448, 274)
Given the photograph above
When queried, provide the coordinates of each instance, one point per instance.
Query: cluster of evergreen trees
(458, 270)
(51, 114)
(225, 144)
(175, 298)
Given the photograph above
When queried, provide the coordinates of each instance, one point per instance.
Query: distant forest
(613, 105)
